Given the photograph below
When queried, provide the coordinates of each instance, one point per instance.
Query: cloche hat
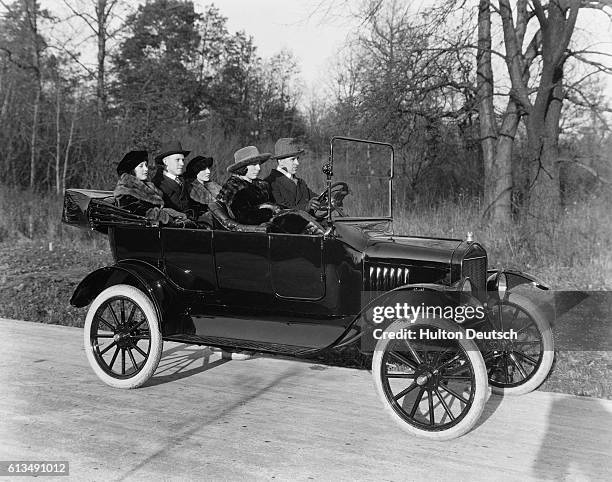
(248, 155)
(131, 160)
(197, 164)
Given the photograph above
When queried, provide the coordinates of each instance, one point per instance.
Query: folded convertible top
(94, 209)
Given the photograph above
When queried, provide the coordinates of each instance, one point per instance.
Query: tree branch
(539, 12)
(83, 16)
(586, 168)
(569, 26)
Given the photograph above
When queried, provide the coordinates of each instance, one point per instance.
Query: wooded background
(494, 100)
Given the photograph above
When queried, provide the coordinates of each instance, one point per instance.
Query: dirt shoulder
(36, 282)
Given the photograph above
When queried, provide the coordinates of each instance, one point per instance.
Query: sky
(315, 30)
(306, 28)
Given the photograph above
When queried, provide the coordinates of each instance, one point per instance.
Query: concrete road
(267, 418)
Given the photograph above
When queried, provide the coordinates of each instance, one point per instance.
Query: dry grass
(571, 251)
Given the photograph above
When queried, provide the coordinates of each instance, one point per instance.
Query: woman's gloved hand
(275, 208)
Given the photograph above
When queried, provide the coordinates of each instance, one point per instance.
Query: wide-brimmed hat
(169, 148)
(131, 160)
(287, 147)
(246, 156)
(197, 164)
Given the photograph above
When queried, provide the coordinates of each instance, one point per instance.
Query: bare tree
(539, 104)
(99, 22)
(24, 48)
(536, 42)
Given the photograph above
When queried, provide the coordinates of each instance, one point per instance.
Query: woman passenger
(201, 189)
(247, 198)
(135, 193)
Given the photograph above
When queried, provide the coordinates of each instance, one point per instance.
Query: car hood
(377, 245)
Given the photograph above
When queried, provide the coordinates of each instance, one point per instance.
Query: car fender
(416, 295)
(515, 278)
(140, 274)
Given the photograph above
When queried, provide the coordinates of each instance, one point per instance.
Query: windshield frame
(330, 175)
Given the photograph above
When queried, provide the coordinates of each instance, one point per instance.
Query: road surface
(204, 418)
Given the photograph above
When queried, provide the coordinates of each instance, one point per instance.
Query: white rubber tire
(481, 390)
(156, 341)
(548, 348)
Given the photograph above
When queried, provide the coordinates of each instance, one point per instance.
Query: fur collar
(236, 184)
(130, 185)
(204, 193)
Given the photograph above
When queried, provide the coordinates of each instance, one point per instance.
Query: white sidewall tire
(481, 389)
(156, 341)
(548, 346)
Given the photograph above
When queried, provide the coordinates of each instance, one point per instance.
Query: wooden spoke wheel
(433, 388)
(122, 337)
(520, 364)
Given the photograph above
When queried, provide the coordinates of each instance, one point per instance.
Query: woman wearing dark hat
(201, 189)
(246, 197)
(135, 193)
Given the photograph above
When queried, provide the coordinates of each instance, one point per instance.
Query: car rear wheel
(520, 364)
(123, 341)
(434, 385)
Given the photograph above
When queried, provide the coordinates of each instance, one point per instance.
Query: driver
(288, 190)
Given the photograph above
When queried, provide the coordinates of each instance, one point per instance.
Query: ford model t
(404, 299)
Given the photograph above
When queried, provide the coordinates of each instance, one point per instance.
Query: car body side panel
(188, 258)
(135, 242)
(242, 262)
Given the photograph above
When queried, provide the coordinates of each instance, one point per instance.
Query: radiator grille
(380, 277)
(475, 268)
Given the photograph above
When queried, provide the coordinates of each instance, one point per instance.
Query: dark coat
(288, 194)
(145, 199)
(137, 196)
(242, 199)
(175, 195)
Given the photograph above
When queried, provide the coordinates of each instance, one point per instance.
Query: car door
(188, 258)
(296, 266)
(242, 264)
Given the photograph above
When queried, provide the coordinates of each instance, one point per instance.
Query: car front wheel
(122, 336)
(521, 363)
(432, 381)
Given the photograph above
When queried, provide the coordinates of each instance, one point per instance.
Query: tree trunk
(101, 34)
(57, 138)
(496, 150)
(69, 143)
(33, 148)
(543, 119)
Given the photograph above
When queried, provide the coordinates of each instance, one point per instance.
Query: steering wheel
(339, 190)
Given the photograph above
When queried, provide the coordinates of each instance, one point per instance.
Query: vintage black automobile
(241, 288)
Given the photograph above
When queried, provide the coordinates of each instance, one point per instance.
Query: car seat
(222, 220)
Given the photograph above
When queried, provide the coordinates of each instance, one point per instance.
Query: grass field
(42, 261)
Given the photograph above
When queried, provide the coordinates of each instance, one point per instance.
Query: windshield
(367, 168)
